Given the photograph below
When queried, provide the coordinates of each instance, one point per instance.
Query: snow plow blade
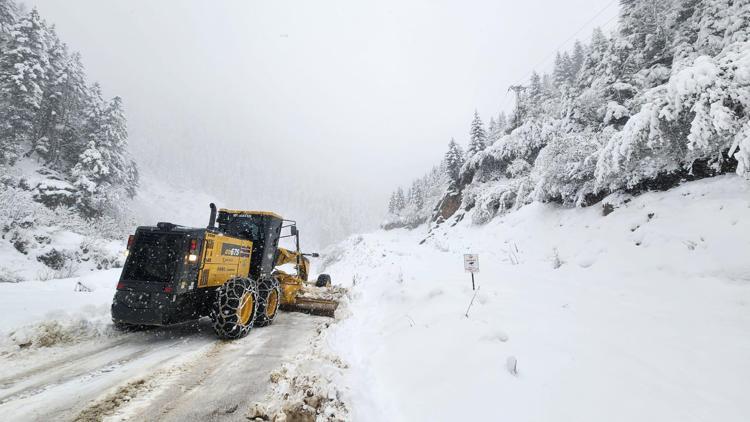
(310, 306)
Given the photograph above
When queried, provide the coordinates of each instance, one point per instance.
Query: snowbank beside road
(44, 313)
(641, 314)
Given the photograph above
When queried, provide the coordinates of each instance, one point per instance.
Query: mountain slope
(637, 315)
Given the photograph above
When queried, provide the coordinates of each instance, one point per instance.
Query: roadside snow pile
(335, 293)
(93, 322)
(307, 388)
(53, 312)
(636, 309)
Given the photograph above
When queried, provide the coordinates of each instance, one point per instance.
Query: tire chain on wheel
(224, 311)
(265, 288)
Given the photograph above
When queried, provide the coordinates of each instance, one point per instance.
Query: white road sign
(471, 262)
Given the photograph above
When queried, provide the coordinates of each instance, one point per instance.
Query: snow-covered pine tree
(492, 131)
(392, 204)
(502, 124)
(104, 168)
(577, 59)
(717, 24)
(417, 194)
(66, 141)
(562, 73)
(645, 34)
(24, 67)
(454, 160)
(711, 26)
(400, 200)
(534, 94)
(51, 105)
(685, 29)
(8, 15)
(593, 63)
(478, 136)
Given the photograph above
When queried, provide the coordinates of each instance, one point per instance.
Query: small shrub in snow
(8, 275)
(53, 259)
(497, 197)
(21, 240)
(95, 252)
(69, 269)
(557, 262)
(518, 168)
(564, 170)
(54, 193)
(615, 113)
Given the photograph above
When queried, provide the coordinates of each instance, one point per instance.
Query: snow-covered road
(179, 373)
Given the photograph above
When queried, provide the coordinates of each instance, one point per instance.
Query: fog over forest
(314, 109)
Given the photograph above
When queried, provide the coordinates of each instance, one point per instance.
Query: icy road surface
(179, 373)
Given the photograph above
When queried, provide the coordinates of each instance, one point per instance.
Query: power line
(581, 28)
(584, 26)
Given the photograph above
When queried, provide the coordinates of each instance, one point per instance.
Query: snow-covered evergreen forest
(662, 99)
(53, 117)
(64, 160)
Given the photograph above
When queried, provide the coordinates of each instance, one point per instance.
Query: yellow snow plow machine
(227, 271)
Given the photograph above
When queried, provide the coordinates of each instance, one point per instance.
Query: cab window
(244, 229)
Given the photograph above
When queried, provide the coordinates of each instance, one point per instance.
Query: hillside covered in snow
(662, 100)
(66, 176)
(633, 310)
(609, 211)
(69, 189)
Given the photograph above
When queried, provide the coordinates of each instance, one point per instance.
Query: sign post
(471, 265)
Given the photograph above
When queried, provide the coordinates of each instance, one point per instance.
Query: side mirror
(294, 231)
(315, 255)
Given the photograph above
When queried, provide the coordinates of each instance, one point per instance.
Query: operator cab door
(262, 230)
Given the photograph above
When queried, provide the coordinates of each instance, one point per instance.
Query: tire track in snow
(138, 393)
(40, 386)
(59, 390)
(179, 373)
(64, 360)
(223, 384)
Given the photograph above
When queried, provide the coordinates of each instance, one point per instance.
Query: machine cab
(262, 228)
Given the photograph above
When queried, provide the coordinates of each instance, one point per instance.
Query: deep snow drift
(641, 314)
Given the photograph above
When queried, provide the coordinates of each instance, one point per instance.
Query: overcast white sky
(336, 94)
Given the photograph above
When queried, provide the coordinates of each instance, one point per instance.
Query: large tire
(270, 299)
(235, 308)
(324, 280)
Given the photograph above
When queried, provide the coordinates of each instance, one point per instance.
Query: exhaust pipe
(212, 218)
